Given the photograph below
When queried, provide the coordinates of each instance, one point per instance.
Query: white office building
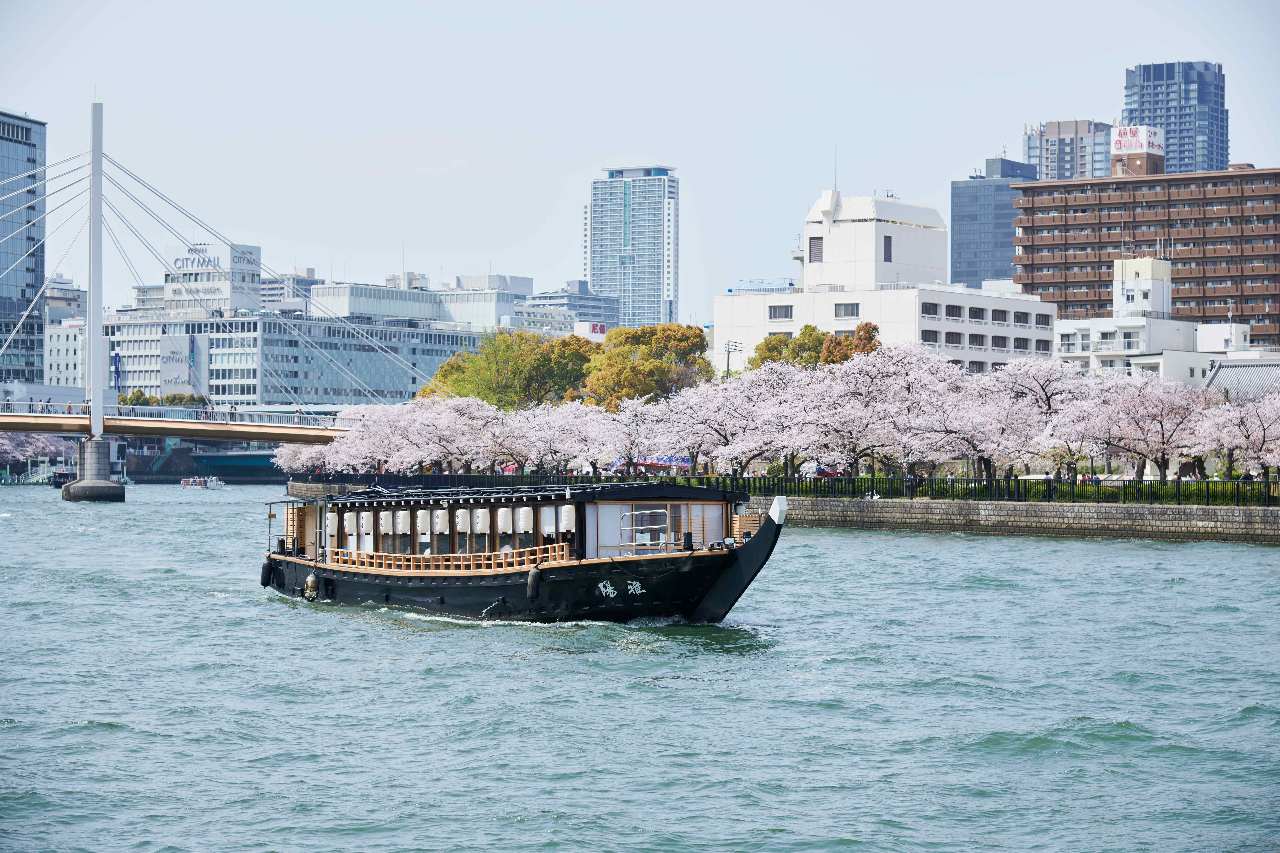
(1142, 332)
(884, 261)
(64, 353)
(633, 243)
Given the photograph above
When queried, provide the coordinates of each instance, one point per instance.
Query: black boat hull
(699, 587)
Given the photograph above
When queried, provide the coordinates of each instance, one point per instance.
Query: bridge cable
(395, 357)
(48, 180)
(61, 205)
(225, 324)
(36, 299)
(42, 168)
(360, 384)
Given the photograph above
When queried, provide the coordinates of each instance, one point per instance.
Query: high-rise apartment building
(1066, 150)
(1187, 100)
(982, 222)
(1220, 232)
(633, 239)
(22, 151)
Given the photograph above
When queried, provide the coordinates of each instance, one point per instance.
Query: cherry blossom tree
(1149, 419)
(1247, 429)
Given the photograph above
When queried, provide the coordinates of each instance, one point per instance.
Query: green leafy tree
(646, 361)
(772, 348)
(805, 349)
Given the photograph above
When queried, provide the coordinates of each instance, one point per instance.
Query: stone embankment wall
(1147, 521)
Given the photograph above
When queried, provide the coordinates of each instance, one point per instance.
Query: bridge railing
(170, 413)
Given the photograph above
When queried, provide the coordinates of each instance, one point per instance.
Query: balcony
(1181, 193)
(1186, 233)
(1122, 197)
(1265, 329)
(1222, 231)
(1221, 251)
(1024, 240)
(1085, 275)
(1041, 220)
(1082, 218)
(1048, 277)
(1214, 270)
(1220, 209)
(1265, 229)
(1023, 221)
(1218, 291)
(1021, 278)
(1082, 198)
(1265, 289)
(1054, 200)
(1188, 311)
(1150, 215)
(1073, 256)
(1222, 192)
(1161, 194)
(1047, 239)
(1259, 269)
(1260, 209)
(1188, 292)
(1187, 272)
(1187, 252)
(1022, 202)
(1260, 249)
(1260, 189)
(1116, 216)
(1088, 237)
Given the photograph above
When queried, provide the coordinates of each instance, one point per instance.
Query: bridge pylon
(93, 472)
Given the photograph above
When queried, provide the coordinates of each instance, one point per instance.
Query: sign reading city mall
(208, 257)
(1137, 139)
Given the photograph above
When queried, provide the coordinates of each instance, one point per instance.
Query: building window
(1022, 318)
(977, 313)
(977, 367)
(779, 312)
(1042, 320)
(846, 309)
(1042, 345)
(815, 250)
(955, 312)
(955, 339)
(888, 249)
(999, 315)
(977, 340)
(929, 309)
(929, 336)
(1021, 343)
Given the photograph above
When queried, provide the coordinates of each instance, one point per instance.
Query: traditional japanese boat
(601, 551)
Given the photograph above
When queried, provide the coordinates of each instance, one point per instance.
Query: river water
(872, 691)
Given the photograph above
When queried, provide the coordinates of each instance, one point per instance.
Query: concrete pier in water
(93, 472)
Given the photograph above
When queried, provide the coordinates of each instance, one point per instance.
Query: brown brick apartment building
(1220, 231)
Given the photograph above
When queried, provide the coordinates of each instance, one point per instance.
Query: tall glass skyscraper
(22, 149)
(982, 222)
(1188, 101)
(633, 243)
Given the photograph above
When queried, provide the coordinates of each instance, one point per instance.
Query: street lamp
(730, 347)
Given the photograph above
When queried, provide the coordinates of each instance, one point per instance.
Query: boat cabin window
(615, 529)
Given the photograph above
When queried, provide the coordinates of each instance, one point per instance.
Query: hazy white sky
(333, 133)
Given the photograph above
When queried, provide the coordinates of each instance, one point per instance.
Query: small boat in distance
(201, 483)
(602, 551)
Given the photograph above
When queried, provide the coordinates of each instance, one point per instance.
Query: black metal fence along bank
(1263, 493)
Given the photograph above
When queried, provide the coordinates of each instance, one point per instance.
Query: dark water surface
(876, 691)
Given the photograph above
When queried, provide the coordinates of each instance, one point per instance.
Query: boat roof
(569, 492)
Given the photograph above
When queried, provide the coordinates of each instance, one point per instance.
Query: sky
(465, 135)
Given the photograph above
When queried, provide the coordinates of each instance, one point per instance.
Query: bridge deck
(245, 427)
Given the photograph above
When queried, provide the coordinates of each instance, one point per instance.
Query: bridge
(180, 422)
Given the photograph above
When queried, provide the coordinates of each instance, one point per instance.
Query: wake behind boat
(605, 551)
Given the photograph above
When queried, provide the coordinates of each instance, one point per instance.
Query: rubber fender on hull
(267, 572)
(534, 585)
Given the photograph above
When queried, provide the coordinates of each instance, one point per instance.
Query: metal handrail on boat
(518, 559)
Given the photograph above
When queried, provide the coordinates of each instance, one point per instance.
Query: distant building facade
(578, 299)
(288, 291)
(22, 150)
(982, 222)
(884, 261)
(633, 239)
(62, 299)
(1187, 100)
(64, 353)
(1063, 150)
(1219, 230)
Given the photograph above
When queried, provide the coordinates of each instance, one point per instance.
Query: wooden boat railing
(519, 559)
